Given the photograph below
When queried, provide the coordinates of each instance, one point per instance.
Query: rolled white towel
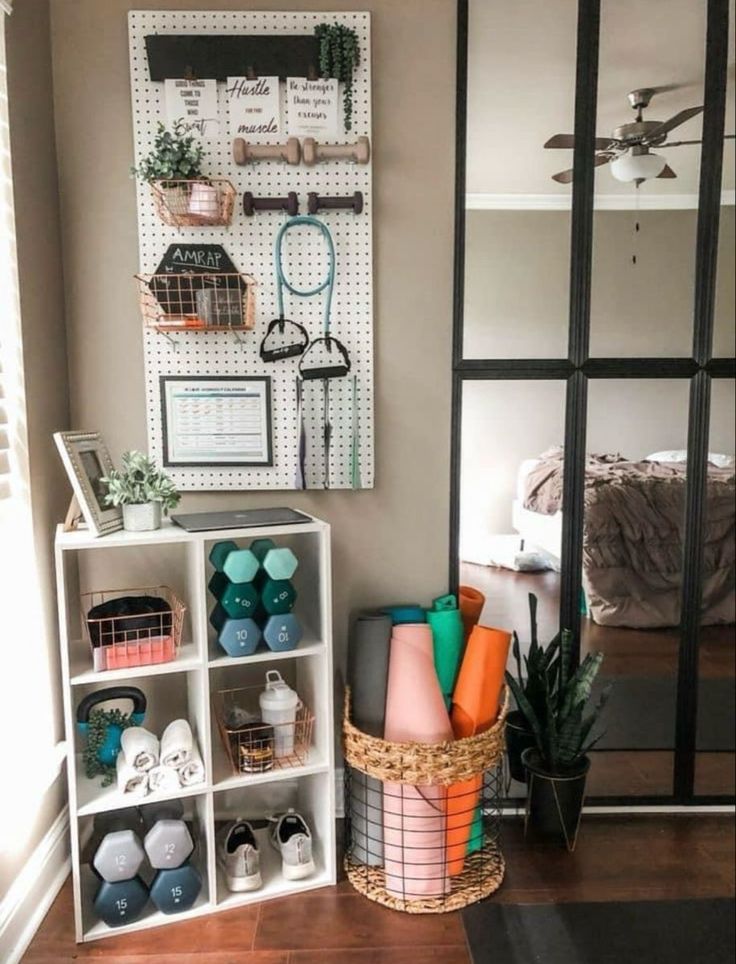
(140, 748)
(192, 772)
(130, 781)
(176, 744)
(161, 778)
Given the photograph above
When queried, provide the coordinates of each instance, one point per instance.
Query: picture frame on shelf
(87, 461)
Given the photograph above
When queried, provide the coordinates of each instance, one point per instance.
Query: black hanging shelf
(218, 57)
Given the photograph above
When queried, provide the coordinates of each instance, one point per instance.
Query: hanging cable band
(283, 282)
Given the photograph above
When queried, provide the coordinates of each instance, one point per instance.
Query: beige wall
(389, 543)
(44, 349)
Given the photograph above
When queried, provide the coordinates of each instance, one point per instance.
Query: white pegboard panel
(249, 242)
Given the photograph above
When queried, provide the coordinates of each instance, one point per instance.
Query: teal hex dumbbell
(241, 565)
(280, 563)
(176, 890)
(220, 551)
(260, 547)
(277, 596)
(121, 902)
(282, 633)
(238, 599)
(238, 637)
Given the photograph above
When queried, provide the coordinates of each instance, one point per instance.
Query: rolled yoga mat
(368, 651)
(475, 705)
(414, 817)
(472, 602)
(405, 613)
(448, 640)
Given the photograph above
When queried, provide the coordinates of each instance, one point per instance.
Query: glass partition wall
(593, 363)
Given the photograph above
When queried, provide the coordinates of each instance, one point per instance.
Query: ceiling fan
(628, 149)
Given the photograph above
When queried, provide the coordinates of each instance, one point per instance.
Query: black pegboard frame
(249, 241)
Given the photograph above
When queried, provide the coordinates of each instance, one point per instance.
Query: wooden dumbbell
(353, 203)
(358, 153)
(251, 204)
(244, 152)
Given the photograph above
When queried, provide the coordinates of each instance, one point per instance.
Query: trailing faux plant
(176, 156)
(556, 713)
(140, 482)
(339, 55)
(97, 725)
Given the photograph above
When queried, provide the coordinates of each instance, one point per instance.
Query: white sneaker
(292, 837)
(237, 854)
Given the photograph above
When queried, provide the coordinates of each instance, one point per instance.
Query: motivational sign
(201, 263)
(194, 102)
(312, 107)
(253, 106)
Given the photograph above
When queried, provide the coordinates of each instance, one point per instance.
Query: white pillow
(680, 455)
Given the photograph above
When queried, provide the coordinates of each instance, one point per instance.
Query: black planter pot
(554, 802)
(518, 739)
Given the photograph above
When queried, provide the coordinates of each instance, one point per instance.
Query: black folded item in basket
(129, 619)
(220, 307)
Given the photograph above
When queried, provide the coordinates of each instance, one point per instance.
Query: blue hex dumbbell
(121, 902)
(238, 637)
(176, 890)
(282, 633)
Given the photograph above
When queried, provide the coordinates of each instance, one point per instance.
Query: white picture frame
(86, 460)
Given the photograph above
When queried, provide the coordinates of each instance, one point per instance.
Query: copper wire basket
(194, 203)
(142, 639)
(194, 301)
(253, 746)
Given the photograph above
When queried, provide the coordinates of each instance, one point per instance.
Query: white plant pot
(203, 200)
(142, 518)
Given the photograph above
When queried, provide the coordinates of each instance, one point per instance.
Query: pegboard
(249, 242)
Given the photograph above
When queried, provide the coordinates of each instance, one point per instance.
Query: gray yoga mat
(368, 652)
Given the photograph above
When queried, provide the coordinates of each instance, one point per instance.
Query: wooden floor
(617, 858)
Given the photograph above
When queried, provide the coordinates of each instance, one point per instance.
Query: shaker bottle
(279, 704)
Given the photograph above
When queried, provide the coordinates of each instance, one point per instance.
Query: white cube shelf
(184, 687)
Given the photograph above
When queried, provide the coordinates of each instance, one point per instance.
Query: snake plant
(555, 704)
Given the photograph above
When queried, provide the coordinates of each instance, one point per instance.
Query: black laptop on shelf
(239, 519)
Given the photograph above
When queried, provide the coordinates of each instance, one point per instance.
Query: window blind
(4, 440)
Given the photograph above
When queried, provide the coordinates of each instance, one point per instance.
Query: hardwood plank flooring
(618, 857)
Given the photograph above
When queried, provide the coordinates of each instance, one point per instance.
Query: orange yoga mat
(475, 705)
(471, 602)
(414, 817)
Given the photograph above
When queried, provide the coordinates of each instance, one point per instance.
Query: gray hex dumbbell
(168, 843)
(174, 891)
(120, 903)
(119, 854)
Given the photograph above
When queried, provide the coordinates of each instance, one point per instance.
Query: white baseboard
(33, 891)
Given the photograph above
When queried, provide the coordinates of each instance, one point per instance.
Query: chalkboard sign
(219, 57)
(193, 268)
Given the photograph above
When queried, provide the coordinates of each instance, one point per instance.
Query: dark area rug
(650, 932)
(641, 714)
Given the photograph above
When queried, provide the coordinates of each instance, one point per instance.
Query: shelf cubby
(184, 687)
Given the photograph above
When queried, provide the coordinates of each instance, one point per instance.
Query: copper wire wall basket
(194, 203)
(133, 639)
(253, 746)
(422, 821)
(197, 301)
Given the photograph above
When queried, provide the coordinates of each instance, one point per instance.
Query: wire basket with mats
(197, 301)
(422, 821)
(192, 203)
(253, 746)
(132, 627)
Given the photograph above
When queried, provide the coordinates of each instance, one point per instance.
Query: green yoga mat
(447, 641)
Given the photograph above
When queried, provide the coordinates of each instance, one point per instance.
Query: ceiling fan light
(637, 167)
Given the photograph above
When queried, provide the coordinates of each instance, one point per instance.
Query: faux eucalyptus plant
(339, 55)
(555, 704)
(97, 725)
(176, 156)
(139, 483)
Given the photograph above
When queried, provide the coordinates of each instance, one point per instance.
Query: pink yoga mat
(414, 818)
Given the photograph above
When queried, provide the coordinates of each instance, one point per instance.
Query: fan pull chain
(636, 225)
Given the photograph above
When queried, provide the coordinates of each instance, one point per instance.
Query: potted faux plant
(174, 173)
(539, 663)
(142, 490)
(557, 765)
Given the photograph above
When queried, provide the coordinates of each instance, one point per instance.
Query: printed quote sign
(312, 106)
(194, 102)
(253, 106)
